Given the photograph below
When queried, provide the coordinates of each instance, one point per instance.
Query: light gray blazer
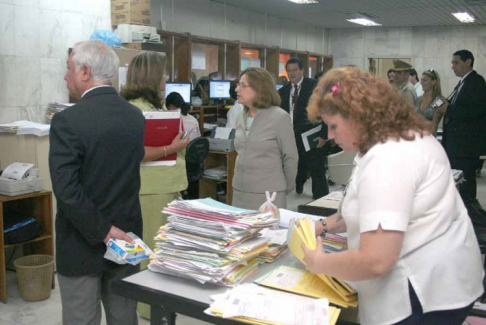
(267, 160)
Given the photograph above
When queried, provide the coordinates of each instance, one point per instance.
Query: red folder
(161, 127)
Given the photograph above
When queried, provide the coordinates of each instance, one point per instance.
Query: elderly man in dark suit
(295, 97)
(464, 128)
(96, 147)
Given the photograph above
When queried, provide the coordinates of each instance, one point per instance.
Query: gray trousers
(82, 296)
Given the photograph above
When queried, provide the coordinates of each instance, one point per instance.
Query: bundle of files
(337, 291)
(249, 303)
(219, 172)
(277, 245)
(25, 127)
(335, 243)
(210, 241)
(55, 107)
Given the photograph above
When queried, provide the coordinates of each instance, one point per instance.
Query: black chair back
(196, 151)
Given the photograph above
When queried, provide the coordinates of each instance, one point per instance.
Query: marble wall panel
(51, 4)
(7, 28)
(51, 44)
(53, 86)
(9, 114)
(27, 40)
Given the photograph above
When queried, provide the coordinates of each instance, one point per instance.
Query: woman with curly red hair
(411, 246)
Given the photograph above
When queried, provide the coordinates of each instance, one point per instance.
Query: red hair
(377, 109)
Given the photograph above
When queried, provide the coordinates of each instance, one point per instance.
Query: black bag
(19, 227)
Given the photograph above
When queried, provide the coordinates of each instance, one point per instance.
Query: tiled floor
(48, 312)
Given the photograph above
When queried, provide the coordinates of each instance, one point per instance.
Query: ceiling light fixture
(304, 2)
(464, 17)
(363, 21)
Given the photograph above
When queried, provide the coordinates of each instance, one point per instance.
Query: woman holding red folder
(159, 184)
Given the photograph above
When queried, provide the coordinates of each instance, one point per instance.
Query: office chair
(196, 151)
(340, 167)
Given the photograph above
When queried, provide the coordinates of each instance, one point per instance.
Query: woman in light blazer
(267, 154)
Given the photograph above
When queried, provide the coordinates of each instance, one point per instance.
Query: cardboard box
(136, 12)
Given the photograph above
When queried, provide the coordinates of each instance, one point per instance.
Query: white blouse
(407, 186)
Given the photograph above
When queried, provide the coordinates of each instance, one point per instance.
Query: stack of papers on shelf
(25, 127)
(210, 241)
(252, 304)
(55, 107)
(277, 245)
(342, 293)
(220, 172)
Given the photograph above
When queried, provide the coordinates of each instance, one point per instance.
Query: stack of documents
(26, 127)
(220, 172)
(210, 241)
(277, 244)
(55, 107)
(337, 291)
(335, 243)
(249, 303)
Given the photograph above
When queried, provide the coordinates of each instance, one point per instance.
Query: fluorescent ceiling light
(363, 21)
(464, 17)
(303, 2)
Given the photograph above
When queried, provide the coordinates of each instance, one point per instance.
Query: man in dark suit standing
(295, 97)
(464, 127)
(96, 147)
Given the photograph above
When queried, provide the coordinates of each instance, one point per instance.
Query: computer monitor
(219, 89)
(278, 86)
(183, 88)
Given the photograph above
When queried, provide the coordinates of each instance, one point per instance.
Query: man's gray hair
(100, 57)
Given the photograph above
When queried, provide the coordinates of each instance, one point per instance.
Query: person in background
(414, 80)
(402, 81)
(95, 151)
(318, 75)
(391, 76)
(265, 143)
(404, 221)
(432, 97)
(282, 80)
(234, 111)
(160, 184)
(295, 96)
(174, 101)
(200, 94)
(465, 129)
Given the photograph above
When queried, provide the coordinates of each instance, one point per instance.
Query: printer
(137, 34)
(222, 139)
(20, 178)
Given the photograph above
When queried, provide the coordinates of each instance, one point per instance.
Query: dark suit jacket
(301, 122)
(95, 151)
(466, 120)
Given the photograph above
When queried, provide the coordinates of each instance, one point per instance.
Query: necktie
(455, 92)
(295, 96)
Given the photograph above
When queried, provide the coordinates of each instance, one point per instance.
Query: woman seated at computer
(430, 100)
(411, 246)
(174, 101)
(159, 184)
(267, 153)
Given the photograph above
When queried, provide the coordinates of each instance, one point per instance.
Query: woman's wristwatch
(324, 228)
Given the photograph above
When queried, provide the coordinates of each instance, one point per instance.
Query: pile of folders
(210, 241)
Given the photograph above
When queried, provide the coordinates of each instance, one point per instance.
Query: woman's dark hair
(176, 100)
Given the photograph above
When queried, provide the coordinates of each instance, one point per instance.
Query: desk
(208, 186)
(202, 112)
(319, 207)
(168, 295)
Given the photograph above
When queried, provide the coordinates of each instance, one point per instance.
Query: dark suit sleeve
(65, 161)
(470, 107)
